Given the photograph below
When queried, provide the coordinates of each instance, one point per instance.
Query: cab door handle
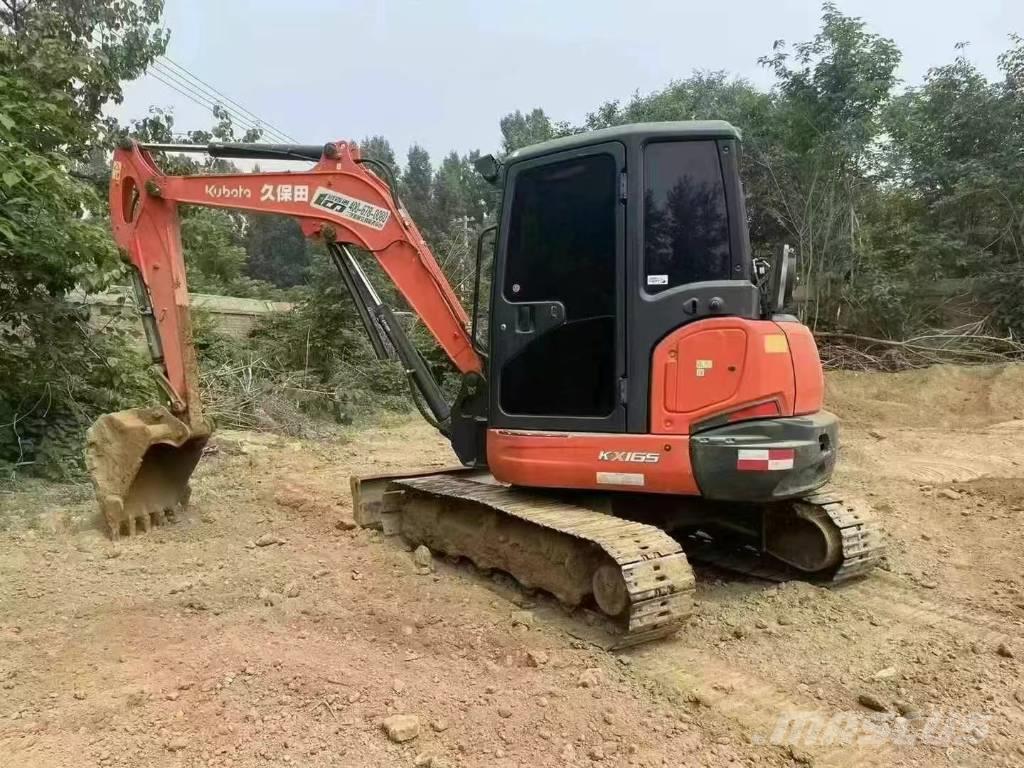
(524, 318)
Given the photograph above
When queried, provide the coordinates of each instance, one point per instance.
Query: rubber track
(861, 540)
(658, 577)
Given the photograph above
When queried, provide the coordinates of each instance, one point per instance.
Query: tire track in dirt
(753, 705)
(885, 595)
(756, 705)
(760, 707)
(943, 469)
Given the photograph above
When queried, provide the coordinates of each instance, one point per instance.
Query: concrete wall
(232, 315)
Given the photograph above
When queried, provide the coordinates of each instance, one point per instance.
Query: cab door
(557, 330)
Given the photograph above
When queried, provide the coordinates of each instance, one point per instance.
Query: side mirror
(781, 281)
(488, 167)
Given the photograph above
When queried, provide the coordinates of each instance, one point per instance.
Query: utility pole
(465, 229)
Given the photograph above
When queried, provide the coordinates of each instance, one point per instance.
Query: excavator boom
(338, 200)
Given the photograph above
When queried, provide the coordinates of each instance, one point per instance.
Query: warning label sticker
(657, 279)
(359, 211)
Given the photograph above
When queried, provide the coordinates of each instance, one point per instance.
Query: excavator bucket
(140, 461)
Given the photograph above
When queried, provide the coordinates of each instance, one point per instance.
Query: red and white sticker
(765, 460)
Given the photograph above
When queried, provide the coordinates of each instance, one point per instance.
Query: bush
(55, 379)
(297, 373)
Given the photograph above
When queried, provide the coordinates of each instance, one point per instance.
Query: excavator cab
(626, 316)
(608, 241)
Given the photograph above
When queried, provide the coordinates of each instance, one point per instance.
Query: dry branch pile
(255, 396)
(970, 344)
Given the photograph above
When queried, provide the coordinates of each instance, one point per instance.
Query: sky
(442, 73)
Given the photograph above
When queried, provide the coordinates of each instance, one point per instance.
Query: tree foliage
(276, 251)
(418, 185)
(520, 130)
(956, 160)
(883, 192)
(60, 62)
(377, 148)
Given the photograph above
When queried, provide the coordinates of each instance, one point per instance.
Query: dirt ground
(262, 629)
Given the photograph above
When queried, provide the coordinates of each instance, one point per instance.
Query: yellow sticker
(776, 343)
(115, 172)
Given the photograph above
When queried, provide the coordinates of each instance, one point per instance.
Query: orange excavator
(633, 398)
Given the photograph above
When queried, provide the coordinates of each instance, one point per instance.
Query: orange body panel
(719, 365)
(600, 461)
(810, 380)
(700, 371)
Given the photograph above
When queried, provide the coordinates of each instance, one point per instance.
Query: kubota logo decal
(224, 192)
(633, 457)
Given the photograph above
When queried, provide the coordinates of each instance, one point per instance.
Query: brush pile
(970, 344)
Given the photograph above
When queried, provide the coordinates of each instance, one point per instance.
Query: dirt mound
(944, 396)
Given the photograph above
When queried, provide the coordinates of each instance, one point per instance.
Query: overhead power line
(183, 81)
(194, 97)
(242, 110)
(178, 83)
(210, 101)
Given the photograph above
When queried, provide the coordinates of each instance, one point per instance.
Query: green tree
(277, 251)
(520, 130)
(78, 51)
(816, 153)
(450, 191)
(417, 187)
(213, 259)
(60, 62)
(956, 168)
(324, 339)
(378, 148)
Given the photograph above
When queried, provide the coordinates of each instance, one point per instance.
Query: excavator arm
(338, 200)
(140, 460)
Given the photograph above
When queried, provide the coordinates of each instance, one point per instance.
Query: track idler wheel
(140, 461)
(804, 536)
(610, 591)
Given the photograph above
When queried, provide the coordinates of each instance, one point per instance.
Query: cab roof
(631, 133)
